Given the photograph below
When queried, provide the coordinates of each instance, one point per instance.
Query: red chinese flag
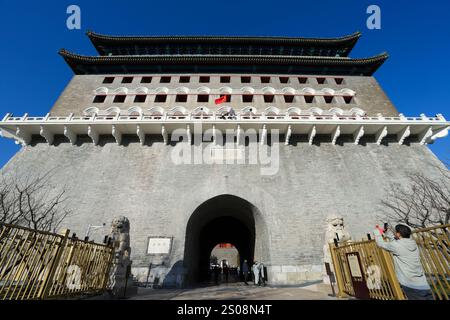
(220, 100)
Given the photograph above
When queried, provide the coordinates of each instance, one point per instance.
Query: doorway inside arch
(225, 219)
(224, 264)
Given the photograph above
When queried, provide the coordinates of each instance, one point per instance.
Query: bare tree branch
(32, 201)
(422, 203)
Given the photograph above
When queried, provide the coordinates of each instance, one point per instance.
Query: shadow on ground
(239, 291)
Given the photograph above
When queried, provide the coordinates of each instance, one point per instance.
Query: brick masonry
(79, 93)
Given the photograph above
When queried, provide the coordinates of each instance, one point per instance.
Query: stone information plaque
(159, 245)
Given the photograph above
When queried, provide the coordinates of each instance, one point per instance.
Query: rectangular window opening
(288, 98)
(339, 80)
(140, 98)
(203, 98)
(348, 99)
(127, 79)
(185, 79)
(225, 79)
(246, 79)
(120, 98)
(302, 80)
(160, 98)
(165, 80)
(284, 79)
(265, 79)
(99, 99)
(108, 80)
(268, 98)
(247, 98)
(181, 98)
(328, 99)
(321, 80)
(204, 79)
(146, 80)
(309, 99)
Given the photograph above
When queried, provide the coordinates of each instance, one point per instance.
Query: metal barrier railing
(434, 245)
(42, 265)
(374, 270)
(377, 275)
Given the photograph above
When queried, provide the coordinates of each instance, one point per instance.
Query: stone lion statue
(120, 237)
(334, 230)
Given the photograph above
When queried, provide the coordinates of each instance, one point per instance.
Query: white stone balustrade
(427, 129)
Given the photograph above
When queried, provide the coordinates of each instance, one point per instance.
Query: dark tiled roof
(223, 63)
(135, 45)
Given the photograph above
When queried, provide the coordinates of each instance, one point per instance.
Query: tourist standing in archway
(245, 271)
(216, 274)
(255, 270)
(262, 275)
(226, 272)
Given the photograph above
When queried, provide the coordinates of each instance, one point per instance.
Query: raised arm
(387, 245)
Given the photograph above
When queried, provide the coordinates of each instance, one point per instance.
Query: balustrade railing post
(7, 116)
(48, 279)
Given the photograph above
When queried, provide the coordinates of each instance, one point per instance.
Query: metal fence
(434, 245)
(363, 267)
(42, 265)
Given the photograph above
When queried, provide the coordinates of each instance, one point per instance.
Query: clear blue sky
(416, 34)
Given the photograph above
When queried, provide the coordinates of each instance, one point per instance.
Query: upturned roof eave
(100, 40)
(75, 61)
(222, 58)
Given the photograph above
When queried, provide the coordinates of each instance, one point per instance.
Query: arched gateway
(224, 218)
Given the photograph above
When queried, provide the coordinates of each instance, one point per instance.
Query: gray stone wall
(79, 93)
(158, 197)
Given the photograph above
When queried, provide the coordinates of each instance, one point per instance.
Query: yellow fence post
(392, 277)
(434, 245)
(337, 271)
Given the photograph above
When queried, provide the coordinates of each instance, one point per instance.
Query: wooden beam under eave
(288, 135)
(381, 134)
(23, 135)
(93, 134)
(425, 135)
(70, 134)
(238, 135)
(165, 135)
(116, 134)
(44, 132)
(403, 134)
(358, 134)
(335, 135)
(141, 134)
(189, 134)
(263, 135)
(311, 135)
